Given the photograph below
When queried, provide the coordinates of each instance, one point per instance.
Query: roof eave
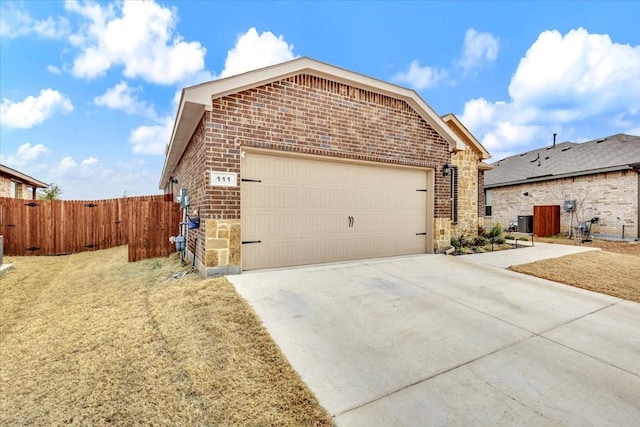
(187, 119)
(475, 144)
(23, 178)
(560, 176)
(485, 166)
(196, 99)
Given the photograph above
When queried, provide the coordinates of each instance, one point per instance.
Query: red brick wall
(306, 114)
(192, 174)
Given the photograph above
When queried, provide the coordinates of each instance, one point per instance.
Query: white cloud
(122, 97)
(16, 22)
(151, 139)
(253, 51)
(577, 75)
(420, 77)
(140, 36)
(32, 111)
(561, 82)
(66, 165)
(479, 48)
(89, 162)
(26, 154)
(53, 69)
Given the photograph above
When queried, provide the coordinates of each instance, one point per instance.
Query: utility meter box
(180, 243)
(569, 206)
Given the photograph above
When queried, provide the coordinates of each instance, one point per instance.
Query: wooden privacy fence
(55, 227)
(546, 220)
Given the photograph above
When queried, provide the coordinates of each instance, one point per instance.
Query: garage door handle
(350, 221)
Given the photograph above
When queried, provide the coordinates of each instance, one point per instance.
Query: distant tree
(52, 192)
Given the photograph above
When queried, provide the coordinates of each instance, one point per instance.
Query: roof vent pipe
(554, 140)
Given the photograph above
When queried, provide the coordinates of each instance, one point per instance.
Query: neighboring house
(602, 177)
(18, 185)
(303, 162)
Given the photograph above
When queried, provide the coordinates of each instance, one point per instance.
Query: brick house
(303, 162)
(18, 185)
(599, 178)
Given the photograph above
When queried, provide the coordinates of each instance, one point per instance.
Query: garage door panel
(301, 208)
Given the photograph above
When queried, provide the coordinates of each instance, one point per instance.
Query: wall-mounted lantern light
(446, 169)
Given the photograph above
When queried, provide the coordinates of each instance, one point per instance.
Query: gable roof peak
(195, 100)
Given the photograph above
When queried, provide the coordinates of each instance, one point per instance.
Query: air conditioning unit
(569, 205)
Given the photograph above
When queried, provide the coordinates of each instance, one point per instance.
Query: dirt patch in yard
(91, 339)
(615, 270)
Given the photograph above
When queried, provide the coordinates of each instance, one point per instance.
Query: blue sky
(89, 90)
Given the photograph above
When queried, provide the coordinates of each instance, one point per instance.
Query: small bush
(494, 232)
(459, 243)
(480, 241)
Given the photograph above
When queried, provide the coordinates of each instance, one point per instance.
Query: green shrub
(459, 243)
(480, 241)
(494, 232)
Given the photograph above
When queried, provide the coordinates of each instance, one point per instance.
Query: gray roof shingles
(616, 152)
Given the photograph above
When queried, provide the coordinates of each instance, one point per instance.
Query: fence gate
(55, 227)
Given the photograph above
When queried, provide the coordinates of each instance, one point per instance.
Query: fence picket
(68, 226)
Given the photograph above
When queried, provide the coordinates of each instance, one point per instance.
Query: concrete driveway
(442, 340)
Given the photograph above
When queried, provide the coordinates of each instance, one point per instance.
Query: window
(454, 194)
(487, 202)
(16, 190)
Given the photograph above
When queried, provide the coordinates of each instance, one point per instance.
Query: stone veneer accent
(467, 164)
(222, 248)
(442, 233)
(609, 196)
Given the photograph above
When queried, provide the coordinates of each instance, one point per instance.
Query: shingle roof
(616, 152)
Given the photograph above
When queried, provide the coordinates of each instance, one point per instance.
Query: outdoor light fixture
(173, 180)
(526, 193)
(445, 169)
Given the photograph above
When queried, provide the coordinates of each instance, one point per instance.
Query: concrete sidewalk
(442, 340)
(526, 253)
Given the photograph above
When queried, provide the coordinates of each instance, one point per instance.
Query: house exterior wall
(608, 196)
(5, 186)
(24, 191)
(307, 115)
(466, 163)
(481, 197)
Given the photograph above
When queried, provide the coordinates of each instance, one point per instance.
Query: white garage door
(298, 211)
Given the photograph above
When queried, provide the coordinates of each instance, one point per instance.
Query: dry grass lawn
(614, 271)
(90, 339)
